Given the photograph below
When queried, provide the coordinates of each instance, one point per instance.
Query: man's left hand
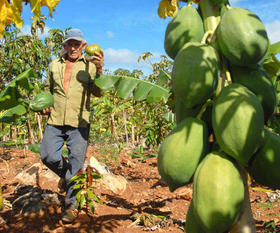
(98, 59)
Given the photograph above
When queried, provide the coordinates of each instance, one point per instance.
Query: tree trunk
(113, 128)
(13, 133)
(30, 134)
(1, 199)
(3, 128)
(40, 127)
(132, 135)
(125, 127)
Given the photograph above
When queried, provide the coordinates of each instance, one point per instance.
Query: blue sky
(127, 28)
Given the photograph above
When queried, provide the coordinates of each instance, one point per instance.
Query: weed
(85, 196)
(139, 153)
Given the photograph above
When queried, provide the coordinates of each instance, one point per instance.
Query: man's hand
(46, 111)
(98, 60)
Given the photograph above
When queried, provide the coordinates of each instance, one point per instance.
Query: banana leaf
(130, 87)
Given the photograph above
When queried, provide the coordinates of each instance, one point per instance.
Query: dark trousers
(51, 154)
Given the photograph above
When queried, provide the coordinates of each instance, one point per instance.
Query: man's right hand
(46, 111)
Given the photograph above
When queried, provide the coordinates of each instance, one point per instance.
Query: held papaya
(41, 101)
(91, 49)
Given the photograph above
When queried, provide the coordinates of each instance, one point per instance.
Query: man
(70, 81)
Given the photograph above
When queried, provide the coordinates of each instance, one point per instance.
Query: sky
(127, 28)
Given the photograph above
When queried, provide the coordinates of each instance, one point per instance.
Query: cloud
(26, 31)
(127, 59)
(110, 34)
(273, 31)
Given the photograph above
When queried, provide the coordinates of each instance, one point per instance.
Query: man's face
(74, 49)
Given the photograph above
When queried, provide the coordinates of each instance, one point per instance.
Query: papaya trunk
(245, 223)
(210, 15)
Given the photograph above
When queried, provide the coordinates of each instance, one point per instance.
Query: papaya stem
(228, 6)
(221, 83)
(203, 108)
(206, 36)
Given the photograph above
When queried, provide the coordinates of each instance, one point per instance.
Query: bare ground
(145, 205)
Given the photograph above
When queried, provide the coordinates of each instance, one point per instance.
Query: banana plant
(137, 89)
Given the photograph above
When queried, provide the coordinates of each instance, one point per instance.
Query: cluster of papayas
(222, 92)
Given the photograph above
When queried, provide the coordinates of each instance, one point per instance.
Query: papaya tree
(217, 71)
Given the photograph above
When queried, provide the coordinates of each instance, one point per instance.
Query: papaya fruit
(195, 73)
(220, 2)
(185, 26)
(91, 49)
(242, 37)
(259, 82)
(181, 151)
(191, 224)
(264, 167)
(41, 101)
(218, 192)
(238, 122)
(182, 112)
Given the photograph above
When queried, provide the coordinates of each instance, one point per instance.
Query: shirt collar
(63, 58)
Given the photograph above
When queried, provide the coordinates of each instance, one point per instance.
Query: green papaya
(185, 26)
(238, 122)
(257, 81)
(265, 164)
(41, 101)
(218, 192)
(182, 112)
(242, 37)
(195, 73)
(220, 2)
(191, 224)
(181, 151)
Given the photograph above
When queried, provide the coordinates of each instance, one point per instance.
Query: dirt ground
(146, 205)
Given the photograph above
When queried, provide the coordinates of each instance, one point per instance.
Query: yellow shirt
(72, 109)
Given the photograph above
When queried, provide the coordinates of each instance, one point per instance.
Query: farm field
(145, 205)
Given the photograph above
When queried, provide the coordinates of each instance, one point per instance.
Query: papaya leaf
(274, 48)
(272, 65)
(138, 89)
(22, 80)
(10, 96)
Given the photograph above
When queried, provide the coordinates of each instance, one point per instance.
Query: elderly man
(70, 81)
